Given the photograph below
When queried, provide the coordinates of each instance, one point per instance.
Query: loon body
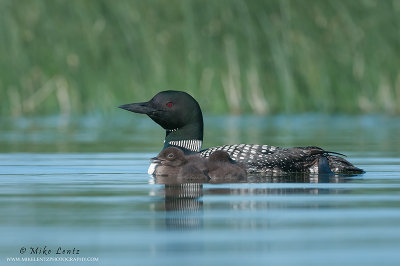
(221, 166)
(181, 117)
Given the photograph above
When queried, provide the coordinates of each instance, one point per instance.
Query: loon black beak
(140, 108)
(155, 160)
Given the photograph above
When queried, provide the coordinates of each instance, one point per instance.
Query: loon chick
(181, 117)
(221, 166)
(174, 163)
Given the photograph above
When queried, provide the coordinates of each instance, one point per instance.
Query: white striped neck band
(190, 144)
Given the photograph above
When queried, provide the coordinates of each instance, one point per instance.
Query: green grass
(81, 56)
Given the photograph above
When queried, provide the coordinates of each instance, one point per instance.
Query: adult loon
(173, 162)
(181, 117)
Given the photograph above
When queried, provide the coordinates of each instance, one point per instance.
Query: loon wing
(266, 158)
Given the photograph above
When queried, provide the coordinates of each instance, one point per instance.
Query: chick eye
(170, 104)
(170, 155)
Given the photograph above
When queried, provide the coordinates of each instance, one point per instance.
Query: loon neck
(192, 145)
(189, 137)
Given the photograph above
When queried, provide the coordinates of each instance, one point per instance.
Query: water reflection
(183, 199)
(261, 178)
(183, 206)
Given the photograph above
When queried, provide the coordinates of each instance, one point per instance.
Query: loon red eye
(170, 104)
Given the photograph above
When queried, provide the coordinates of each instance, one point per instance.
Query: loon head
(220, 156)
(178, 113)
(171, 156)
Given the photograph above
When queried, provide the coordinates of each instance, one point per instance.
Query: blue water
(105, 205)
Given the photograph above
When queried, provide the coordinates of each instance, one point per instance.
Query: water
(82, 184)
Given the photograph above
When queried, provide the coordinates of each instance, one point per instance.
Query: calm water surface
(83, 184)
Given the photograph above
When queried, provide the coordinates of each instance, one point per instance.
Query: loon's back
(271, 159)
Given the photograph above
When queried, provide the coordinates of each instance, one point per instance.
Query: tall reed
(235, 56)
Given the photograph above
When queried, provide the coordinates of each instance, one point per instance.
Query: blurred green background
(83, 56)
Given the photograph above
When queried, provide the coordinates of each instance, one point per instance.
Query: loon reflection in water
(183, 202)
